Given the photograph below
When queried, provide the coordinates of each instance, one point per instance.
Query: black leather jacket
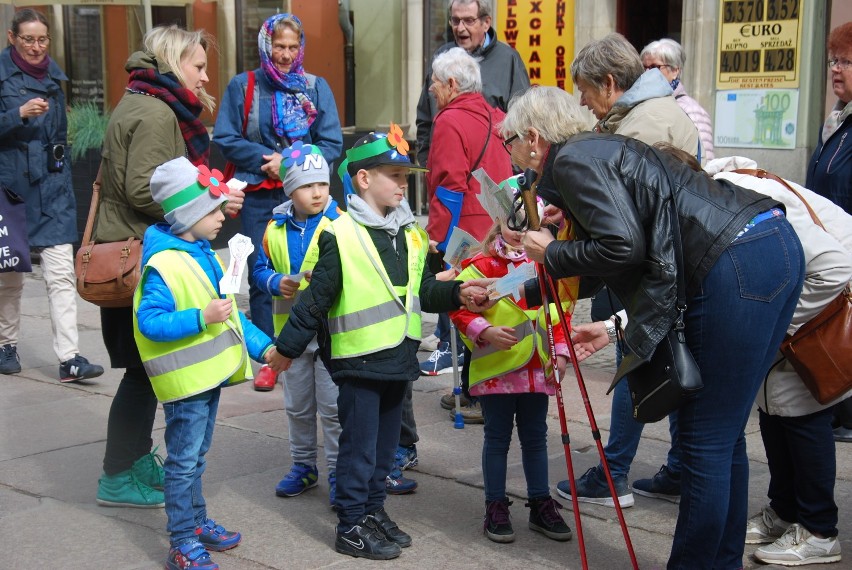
(615, 190)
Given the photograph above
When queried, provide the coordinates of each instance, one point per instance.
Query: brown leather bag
(821, 350)
(107, 273)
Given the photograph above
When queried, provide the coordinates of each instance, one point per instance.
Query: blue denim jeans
(802, 468)
(734, 326)
(189, 432)
(501, 411)
(255, 214)
(370, 412)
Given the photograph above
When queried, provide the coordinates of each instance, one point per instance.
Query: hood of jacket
(159, 238)
(650, 85)
(145, 60)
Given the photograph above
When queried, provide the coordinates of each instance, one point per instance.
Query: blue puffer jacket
(247, 152)
(830, 168)
(51, 208)
(158, 320)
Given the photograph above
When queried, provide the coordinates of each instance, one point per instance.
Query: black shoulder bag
(661, 385)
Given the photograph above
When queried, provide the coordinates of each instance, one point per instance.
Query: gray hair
(555, 114)
(612, 55)
(667, 50)
(461, 66)
(483, 7)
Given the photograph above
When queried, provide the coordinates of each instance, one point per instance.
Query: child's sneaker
(765, 527)
(126, 490)
(190, 555)
(405, 457)
(149, 470)
(396, 484)
(439, 362)
(9, 361)
(300, 478)
(214, 537)
(545, 518)
(498, 523)
(390, 529)
(332, 489)
(798, 547)
(366, 540)
(593, 488)
(78, 368)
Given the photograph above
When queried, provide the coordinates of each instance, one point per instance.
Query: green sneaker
(149, 469)
(126, 490)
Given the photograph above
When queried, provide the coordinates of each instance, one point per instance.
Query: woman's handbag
(821, 350)
(107, 273)
(660, 386)
(14, 246)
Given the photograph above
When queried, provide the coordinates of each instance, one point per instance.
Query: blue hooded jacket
(158, 319)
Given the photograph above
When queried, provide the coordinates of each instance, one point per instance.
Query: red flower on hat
(397, 140)
(213, 180)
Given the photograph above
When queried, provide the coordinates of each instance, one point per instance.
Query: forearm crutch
(527, 186)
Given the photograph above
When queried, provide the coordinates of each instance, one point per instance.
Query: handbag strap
(481, 154)
(760, 173)
(248, 100)
(93, 207)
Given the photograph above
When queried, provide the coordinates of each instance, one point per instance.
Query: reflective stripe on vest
(276, 248)
(369, 314)
(192, 365)
(488, 361)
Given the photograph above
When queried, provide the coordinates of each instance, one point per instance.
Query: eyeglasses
(29, 41)
(842, 64)
(468, 22)
(507, 144)
(655, 66)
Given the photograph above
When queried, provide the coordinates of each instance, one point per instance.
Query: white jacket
(828, 268)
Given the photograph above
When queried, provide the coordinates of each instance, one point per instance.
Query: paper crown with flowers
(373, 150)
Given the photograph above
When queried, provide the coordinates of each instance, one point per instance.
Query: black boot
(545, 518)
(390, 528)
(366, 540)
(498, 523)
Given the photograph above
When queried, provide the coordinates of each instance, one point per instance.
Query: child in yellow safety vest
(283, 269)
(364, 302)
(192, 342)
(507, 372)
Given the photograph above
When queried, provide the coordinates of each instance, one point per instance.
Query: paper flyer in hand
(511, 283)
(459, 247)
(240, 247)
(495, 200)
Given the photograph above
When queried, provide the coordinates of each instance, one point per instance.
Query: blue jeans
(370, 412)
(255, 214)
(501, 411)
(734, 326)
(189, 432)
(802, 467)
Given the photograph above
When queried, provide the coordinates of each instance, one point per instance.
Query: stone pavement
(52, 444)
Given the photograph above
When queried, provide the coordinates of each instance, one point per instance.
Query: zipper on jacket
(839, 146)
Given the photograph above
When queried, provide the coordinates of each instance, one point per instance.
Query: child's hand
(561, 365)
(288, 287)
(474, 295)
(502, 338)
(277, 361)
(446, 275)
(552, 216)
(308, 275)
(217, 311)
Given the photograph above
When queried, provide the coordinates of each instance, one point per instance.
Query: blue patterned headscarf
(292, 111)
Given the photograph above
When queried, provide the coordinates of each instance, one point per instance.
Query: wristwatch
(611, 331)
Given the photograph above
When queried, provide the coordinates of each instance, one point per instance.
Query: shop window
(250, 15)
(84, 54)
(643, 22)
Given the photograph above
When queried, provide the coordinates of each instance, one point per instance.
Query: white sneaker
(430, 343)
(765, 527)
(798, 547)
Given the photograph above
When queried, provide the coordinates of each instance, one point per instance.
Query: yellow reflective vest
(371, 314)
(275, 241)
(192, 365)
(488, 361)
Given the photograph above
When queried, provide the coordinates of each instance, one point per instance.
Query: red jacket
(458, 137)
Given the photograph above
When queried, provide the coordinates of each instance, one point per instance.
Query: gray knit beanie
(187, 193)
(302, 164)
